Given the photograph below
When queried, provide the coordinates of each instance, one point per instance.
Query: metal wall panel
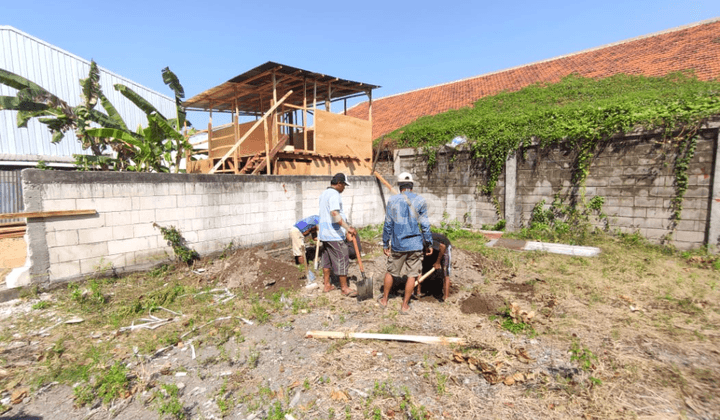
(11, 200)
(59, 72)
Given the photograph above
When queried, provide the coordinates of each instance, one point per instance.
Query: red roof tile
(694, 47)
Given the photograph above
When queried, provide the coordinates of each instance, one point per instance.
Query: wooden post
(304, 117)
(315, 136)
(237, 131)
(329, 95)
(370, 108)
(247, 134)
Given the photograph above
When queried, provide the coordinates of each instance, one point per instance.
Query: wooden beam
(390, 337)
(247, 134)
(44, 214)
(373, 172)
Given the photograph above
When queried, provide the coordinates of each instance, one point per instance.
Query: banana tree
(146, 149)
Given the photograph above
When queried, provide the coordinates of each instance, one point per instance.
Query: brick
(697, 192)
(120, 218)
(58, 205)
(692, 237)
(101, 265)
(184, 201)
(73, 223)
(103, 205)
(95, 235)
(143, 216)
(77, 252)
(154, 256)
(144, 229)
(64, 238)
(66, 270)
(132, 245)
(647, 202)
(168, 215)
(121, 232)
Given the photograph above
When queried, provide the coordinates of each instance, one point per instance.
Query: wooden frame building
(291, 134)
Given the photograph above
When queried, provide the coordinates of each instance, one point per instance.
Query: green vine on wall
(577, 111)
(686, 150)
(177, 242)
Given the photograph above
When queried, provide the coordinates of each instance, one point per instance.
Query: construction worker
(441, 259)
(298, 232)
(401, 232)
(334, 230)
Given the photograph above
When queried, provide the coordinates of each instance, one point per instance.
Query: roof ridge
(612, 44)
(77, 57)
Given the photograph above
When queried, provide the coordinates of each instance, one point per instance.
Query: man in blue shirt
(333, 230)
(298, 232)
(405, 212)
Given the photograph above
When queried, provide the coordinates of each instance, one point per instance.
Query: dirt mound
(255, 270)
(482, 304)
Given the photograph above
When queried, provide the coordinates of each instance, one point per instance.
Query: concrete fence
(211, 211)
(634, 174)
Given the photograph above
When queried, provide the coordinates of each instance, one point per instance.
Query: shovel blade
(365, 288)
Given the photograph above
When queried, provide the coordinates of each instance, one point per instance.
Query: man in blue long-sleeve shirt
(407, 230)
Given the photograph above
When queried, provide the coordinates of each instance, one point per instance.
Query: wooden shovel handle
(357, 253)
(317, 253)
(424, 276)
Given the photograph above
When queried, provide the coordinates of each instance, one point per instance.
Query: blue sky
(400, 46)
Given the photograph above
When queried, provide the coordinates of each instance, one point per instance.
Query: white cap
(405, 177)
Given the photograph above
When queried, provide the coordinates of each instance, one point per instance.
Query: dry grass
(633, 333)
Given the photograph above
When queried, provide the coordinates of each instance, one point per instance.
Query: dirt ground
(13, 252)
(583, 358)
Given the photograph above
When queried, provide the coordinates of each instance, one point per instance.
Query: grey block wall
(210, 211)
(634, 174)
(451, 186)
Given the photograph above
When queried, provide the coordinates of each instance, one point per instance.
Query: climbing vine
(580, 112)
(686, 151)
(177, 242)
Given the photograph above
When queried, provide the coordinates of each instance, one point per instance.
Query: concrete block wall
(450, 186)
(211, 211)
(634, 174)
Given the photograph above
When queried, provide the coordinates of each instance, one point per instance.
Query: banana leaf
(16, 81)
(138, 100)
(115, 134)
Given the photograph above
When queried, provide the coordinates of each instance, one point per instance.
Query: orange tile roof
(695, 46)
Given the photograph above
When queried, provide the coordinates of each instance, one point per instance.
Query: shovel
(364, 286)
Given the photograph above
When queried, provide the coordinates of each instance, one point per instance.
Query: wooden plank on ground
(389, 337)
(43, 214)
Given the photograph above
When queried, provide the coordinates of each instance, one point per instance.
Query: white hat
(404, 178)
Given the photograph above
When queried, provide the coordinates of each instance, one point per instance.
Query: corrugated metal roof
(244, 91)
(59, 72)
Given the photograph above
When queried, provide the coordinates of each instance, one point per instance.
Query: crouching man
(441, 260)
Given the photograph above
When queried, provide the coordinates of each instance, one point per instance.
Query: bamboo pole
(247, 134)
(389, 337)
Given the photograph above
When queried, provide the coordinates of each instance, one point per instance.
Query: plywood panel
(226, 137)
(333, 166)
(335, 131)
(293, 168)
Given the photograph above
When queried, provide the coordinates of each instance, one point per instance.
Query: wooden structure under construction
(290, 135)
